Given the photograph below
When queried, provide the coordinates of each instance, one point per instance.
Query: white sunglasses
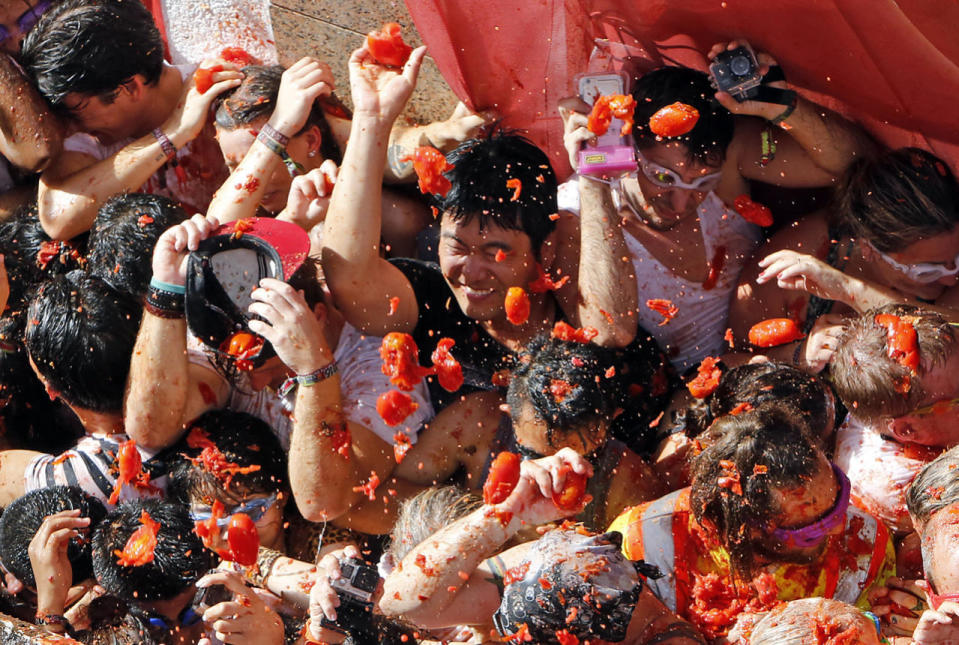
(924, 272)
(667, 178)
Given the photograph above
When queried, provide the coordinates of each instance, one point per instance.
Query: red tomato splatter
(902, 341)
(728, 337)
(554, 216)
(563, 637)
(760, 469)
(130, 470)
(516, 574)
(565, 331)
(144, 220)
(387, 47)
(213, 460)
(203, 77)
(775, 331)
(394, 406)
(574, 490)
(517, 305)
(607, 316)
(207, 530)
(544, 282)
(242, 346)
(241, 226)
(664, 307)
(522, 635)
(448, 370)
(502, 478)
(674, 120)
(707, 378)
(560, 389)
(429, 164)
(500, 255)
(753, 212)
(394, 304)
(730, 479)
(401, 446)
(236, 55)
(140, 545)
(605, 108)
(250, 185)
(517, 186)
(369, 488)
(243, 539)
(715, 268)
(401, 360)
(48, 250)
(740, 408)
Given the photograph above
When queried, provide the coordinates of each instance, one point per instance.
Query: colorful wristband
(279, 150)
(166, 286)
(168, 148)
(275, 134)
(307, 380)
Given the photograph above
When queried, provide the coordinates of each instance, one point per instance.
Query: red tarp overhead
(891, 65)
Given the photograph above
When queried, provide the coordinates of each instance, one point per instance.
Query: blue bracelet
(166, 286)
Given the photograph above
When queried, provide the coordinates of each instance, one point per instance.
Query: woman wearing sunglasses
(767, 519)
(686, 242)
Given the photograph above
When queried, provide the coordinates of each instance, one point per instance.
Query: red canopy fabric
(891, 65)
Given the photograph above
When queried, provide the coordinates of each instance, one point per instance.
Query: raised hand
(381, 92)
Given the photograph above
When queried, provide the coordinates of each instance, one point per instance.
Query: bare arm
(361, 281)
(71, 191)
(31, 137)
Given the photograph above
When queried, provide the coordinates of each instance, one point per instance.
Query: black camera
(737, 73)
(354, 588)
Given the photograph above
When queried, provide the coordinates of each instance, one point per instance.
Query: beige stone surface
(331, 31)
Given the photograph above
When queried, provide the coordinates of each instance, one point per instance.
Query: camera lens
(740, 66)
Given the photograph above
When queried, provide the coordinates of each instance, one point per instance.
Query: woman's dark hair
(179, 558)
(124, 234)
(481, 168)
(255, 98)
(771, 437)
(244, 440)
(92, 47)
(897, 199)
(768, 382)
(708, 140)
(22, 519)
(80, 335)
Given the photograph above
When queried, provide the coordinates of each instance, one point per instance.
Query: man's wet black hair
(582, 405)
(22, 519)
(124, 234)
(80, 335)
(255, 98)
(481, 168)
(708, 140)
(179, 559)
(92, 47)
(244, 440)
(113, 622)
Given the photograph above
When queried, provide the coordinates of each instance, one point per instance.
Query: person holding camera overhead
(686, 241)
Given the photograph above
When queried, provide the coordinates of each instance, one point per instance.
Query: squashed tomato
(243, 539)
(565, 331)
(394, 406)
(517, 305)
(707, 378)
(401, 446)
(369, 488)
(902, 341)
(236, 55)
(203, 77)
(401, 360)
(753, 212)
(663, 307)
(129, 470)
(141, 544)
(448, 370)
(674, 120)
(387, 47)
(429, 164)
(573, 492)
(242, 346)
(517, 187)
(502, 478)
(544, 282)
(775, 331)
(605, 108)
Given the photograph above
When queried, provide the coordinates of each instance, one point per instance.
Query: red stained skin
(565, 331)
(243, 539)
(401, 360)
(448, 370)
(207, 393)
(502, 479)
(394, 406)
(387, 47)
(674, 120)
(429, 164)
(775, 331)
(753, 212)
(544, 282)
(517, 186)
(517, 305)
(605, 108)
(716, 266)
(140, 545)
(707, 378)
(664, 307)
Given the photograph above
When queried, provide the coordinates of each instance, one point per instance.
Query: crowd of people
(274, 370)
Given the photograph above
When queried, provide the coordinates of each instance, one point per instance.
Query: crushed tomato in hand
(394, 406)
(673, 120)
(517, 306)
(774, 331)
(429, 164)
(387, 47)
(401, 360)
(664, 307)
(753, 212)
(605, 108)
(707, 378)
(574, 490)
(141, 544)
(565, 331)
(448, 370)
(502, 478)
(203, 77)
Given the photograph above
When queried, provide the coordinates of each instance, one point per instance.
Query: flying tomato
(517, 305)
(429, 164)
(448, 370)
(774, 332)
(674, 120)
(394, 406)
(707, 378)
(753, 212)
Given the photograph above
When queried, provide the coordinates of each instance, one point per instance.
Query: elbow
(321, 508)
(618, 336)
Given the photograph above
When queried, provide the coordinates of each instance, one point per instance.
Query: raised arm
(301, 84)
(73, 189)
(163, 390)
(30, 136)
(362, 282)
(813, 145)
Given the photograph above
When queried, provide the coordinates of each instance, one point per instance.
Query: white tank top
(697, 330)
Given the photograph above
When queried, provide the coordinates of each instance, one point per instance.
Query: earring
(311, 153)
